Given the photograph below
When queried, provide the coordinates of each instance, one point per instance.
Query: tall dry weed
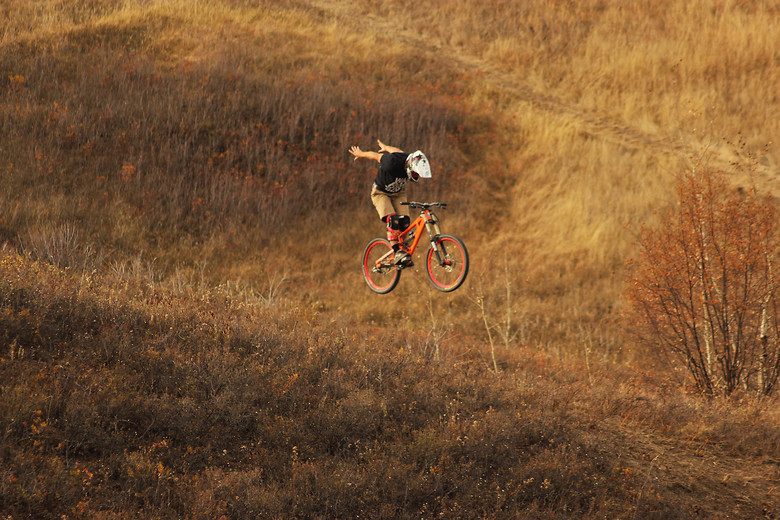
(64, 248)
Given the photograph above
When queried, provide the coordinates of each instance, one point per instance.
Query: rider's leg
(392, 232)
(395, 225)
(387, 206)
(384, 206)
(402, 211)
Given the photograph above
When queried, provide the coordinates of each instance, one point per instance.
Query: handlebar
(425, 205)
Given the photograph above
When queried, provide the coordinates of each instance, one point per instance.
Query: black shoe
(402, 258)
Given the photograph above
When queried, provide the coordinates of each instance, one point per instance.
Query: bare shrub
(62, 247)
(703, 290)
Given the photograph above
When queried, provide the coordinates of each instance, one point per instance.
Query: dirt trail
(598, 126)
(697, 476)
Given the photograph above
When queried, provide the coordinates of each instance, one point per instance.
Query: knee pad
(392, 232)
(398, 222)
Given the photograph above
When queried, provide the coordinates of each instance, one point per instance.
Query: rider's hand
(360, 154)
(357, 152)
(387, 148)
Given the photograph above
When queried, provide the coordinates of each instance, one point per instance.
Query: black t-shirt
(391, 176)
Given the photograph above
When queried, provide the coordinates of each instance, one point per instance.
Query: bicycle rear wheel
(448, 263)
(378, 270)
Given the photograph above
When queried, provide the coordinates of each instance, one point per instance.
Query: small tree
(703, 288)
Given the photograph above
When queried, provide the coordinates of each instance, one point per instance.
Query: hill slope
(120, 400)
(184, 328)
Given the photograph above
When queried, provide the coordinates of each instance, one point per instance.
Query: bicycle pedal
(402, 261)
(404, 265)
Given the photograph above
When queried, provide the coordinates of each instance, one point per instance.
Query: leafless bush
(62, 246)
(704, 288)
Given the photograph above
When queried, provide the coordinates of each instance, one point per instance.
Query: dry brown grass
(170, 402)
(194, 147)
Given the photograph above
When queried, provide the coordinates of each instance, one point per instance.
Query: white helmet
(417, 166)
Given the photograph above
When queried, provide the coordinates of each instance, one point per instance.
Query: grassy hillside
(185, 331)
(120, 400)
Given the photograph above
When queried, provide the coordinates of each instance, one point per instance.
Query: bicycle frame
(426, 219)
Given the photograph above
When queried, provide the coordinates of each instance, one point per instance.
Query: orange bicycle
(447, 261)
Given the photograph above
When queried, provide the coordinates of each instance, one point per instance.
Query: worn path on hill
(597, 126)
(700, 476)
(727, 485)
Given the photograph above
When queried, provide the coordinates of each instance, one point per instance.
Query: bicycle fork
(432, 226)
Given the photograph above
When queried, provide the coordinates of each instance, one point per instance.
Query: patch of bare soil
(696, 477)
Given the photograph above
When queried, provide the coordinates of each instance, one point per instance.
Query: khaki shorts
(389, 203)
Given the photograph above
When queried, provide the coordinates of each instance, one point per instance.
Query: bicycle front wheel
(378, 270)
(447, 263)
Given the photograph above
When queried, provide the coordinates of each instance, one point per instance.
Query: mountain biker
(389, 190)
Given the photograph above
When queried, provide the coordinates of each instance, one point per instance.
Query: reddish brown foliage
(703, 290)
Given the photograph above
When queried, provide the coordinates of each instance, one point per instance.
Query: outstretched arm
(385, 148)
(360, 154)
(377, 156)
